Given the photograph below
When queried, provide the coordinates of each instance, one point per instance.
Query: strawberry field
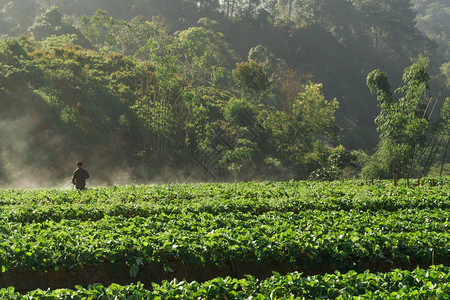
(263, 240)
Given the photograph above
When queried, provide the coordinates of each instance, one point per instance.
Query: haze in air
(187, 91)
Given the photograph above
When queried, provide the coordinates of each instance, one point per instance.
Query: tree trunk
(290, 9)
(443, 157)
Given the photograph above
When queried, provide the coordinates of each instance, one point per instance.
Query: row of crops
(417, 284)
(336, 238)
(206, 232)
(215, 198)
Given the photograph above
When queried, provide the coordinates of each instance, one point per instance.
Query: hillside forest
(223, 90)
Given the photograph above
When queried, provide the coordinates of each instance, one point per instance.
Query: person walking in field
(79, 176)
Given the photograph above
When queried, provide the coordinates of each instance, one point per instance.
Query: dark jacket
(79, 178)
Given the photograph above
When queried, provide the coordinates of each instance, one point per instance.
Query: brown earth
(106, 273)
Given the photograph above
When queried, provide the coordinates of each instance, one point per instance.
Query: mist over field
(236, 149)
(181, 91)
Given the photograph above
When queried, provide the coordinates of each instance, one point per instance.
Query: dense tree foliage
(434, 19)
(112, 107)
(232, 88)
(404, 123)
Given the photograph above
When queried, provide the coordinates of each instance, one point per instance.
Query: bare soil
(106, 273)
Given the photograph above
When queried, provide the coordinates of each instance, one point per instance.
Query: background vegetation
(177, 90)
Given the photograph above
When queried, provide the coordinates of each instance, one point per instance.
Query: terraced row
(52, 204)
(340, 239)
(433, 283)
